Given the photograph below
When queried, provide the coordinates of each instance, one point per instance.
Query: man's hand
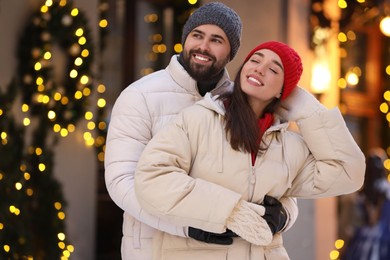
(275, 214)
(214, 238)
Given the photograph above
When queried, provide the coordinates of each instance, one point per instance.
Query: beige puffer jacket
(189, 175)
(139, 113)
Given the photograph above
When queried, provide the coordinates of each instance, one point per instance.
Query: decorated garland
(60, 102)
(32, 212)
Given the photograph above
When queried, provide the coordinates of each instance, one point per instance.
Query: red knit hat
(292, 64)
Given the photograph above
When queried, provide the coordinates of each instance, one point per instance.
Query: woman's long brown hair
(241, 121)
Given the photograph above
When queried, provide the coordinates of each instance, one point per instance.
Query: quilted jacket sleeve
(334, 163)
(164, 187)
(128, 133)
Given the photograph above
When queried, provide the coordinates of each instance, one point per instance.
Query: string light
(385, 26)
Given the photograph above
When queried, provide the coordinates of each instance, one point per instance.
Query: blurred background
(63, 64)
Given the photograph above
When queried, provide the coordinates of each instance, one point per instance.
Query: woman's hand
(299, 105)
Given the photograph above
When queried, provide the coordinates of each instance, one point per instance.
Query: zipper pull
(253, 177)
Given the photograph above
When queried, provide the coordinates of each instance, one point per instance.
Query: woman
(214, 165)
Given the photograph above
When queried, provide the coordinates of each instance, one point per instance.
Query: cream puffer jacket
(190, 175)
(139, 113)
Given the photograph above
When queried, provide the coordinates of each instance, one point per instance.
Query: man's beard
(201, 72)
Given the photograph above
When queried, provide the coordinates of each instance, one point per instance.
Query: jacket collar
(184, 80)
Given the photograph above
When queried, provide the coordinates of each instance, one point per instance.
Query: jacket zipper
(252, 181)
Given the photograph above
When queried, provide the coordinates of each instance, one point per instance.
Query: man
(211, 38)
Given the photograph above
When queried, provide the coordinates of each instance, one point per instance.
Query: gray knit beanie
(218, 14)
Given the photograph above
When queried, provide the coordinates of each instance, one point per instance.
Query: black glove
(275, 214)
(214, 238)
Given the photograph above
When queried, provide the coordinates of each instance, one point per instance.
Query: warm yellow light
(57, 205)
(18, 186)
(42, 167)
(384, 108)
(339, 243)
(71, 128)
(74, 12)
(79, 32)
(86, 92)
(102, 125)
(78, 61)
(3, 135)
(26, 121)
(26, 176)
(88, 115)
(73, 73)
(101, 88)
(1, 226)
(45, 99)
(7, 248)
(40, 88)
(14, 210)
(25, 107)
(90, 142)
(321, 77)
(51, 115)
(84, 79)
(49, 2)
(66, 253)
(386, 95)
(56, 128)
(386, 164)
(101, 157)
(334, 254)
(87, 135)
(192, 2)
(61, 215)
(85, 53)
(385, 26)
(103, 23)
(342, 37)
(352, 78)
(78, 94)
(151, 18)
(91, 125)
(100, 140)
(47, 55)
(64, 132)
(101, 102)
(61, 245)
(29, 192)
(64, 100)
(178, 47)
(57, 96)
(39, 81)
(62, 2)
(61, 236)
(38, 151)
(82, 40)
(37, 66)
(342, 4)
(351, 35)
(44, 9)
(70, 248)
